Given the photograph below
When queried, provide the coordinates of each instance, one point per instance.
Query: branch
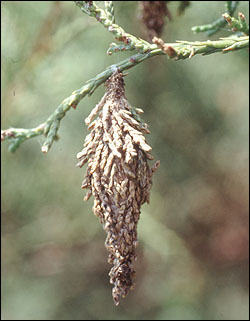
(115, 48)
(18, 135)
(50, 127)
(176, 51)
(239, 25)
(187, 49)
(109, 8)
(106, 19)
(216, 26)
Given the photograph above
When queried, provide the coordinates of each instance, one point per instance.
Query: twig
(187, 49)
(91, 9)
(215, 26)
(237, 24)
(115, 48)
(50, 128)
(16, 136)
(109, 8)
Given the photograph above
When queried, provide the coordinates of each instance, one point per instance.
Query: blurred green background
(193, 236)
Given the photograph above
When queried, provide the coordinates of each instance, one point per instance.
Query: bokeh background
(193, 236)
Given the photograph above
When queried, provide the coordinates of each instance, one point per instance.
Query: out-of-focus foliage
(193, 252)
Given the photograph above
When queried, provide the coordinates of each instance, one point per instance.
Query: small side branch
(187, 49)
(218, 24)
(237, 25)
(116, 48)
(106, 18)
(16, 136)
(109, 8)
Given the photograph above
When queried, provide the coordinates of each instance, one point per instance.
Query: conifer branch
(178, 50)
(50, 127)
(109, 8)
(105, 18)
(237, 25)
(187, 49)
(115, 48)
(217, 25)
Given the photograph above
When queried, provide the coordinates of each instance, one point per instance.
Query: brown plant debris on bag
(183, 5)
(118, 176)
(153, 16)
